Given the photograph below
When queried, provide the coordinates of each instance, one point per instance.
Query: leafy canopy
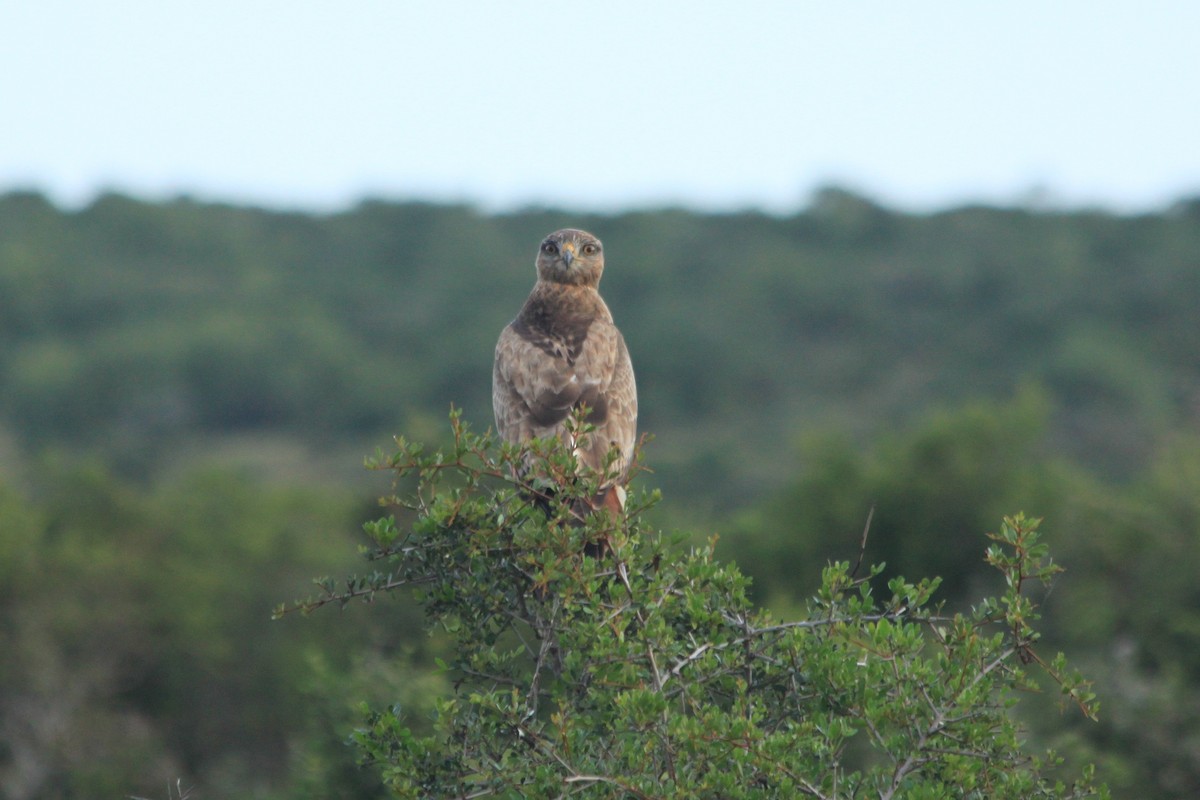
(600, 658)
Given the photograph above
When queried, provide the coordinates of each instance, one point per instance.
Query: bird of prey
(563, 351)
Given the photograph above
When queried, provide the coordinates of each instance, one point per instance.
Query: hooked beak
(568, 253)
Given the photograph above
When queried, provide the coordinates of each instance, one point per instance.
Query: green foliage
(925, 491)
(126, 323)
(154, 337)
(1131, 617)
(1126, 613)
(136, 647)
(647, 672)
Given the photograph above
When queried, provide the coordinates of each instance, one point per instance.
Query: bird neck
(549, 298)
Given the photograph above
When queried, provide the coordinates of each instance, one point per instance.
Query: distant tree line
(187, 390)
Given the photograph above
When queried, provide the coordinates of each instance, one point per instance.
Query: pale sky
(604, 105)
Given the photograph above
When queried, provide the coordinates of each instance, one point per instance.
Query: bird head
(571, 256)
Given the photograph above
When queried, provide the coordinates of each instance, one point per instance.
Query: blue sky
(710, 105)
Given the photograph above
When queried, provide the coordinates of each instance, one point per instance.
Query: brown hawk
(563, 351)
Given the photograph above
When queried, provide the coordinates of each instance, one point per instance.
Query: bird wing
(605, 373)
(621, 426)
(533, 391)
(535, 387)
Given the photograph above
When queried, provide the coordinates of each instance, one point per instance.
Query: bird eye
(591, 249)
(549, 247)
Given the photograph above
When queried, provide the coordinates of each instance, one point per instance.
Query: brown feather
(563, 351)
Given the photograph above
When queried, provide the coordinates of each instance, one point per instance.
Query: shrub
(601, 658)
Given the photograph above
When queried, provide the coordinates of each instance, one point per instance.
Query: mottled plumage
(563, 351)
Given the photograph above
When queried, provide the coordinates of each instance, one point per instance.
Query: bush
(599, 657)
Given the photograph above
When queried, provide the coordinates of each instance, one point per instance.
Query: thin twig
(862, 547)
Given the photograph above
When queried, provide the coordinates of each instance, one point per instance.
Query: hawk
(563, 351)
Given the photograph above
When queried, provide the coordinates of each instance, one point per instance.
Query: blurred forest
(187, 391)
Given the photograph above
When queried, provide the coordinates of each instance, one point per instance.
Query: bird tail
(609, 498)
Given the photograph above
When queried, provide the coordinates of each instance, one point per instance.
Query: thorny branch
(685, 638)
